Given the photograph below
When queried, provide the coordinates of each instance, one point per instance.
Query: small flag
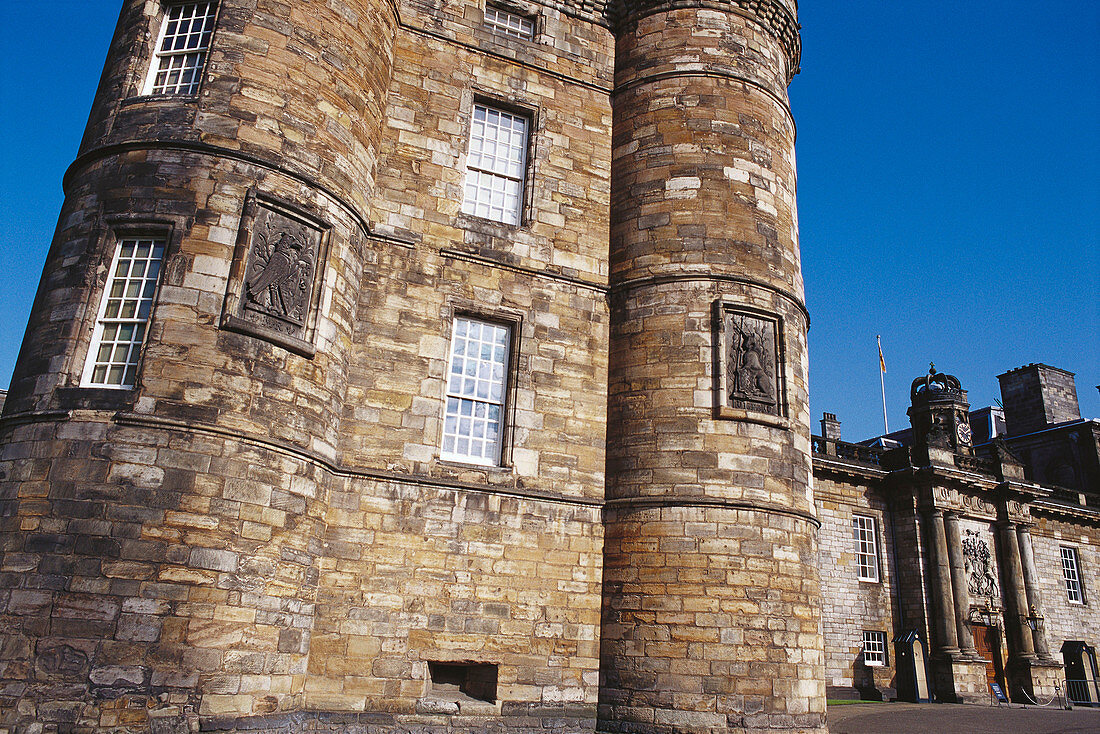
(881, 359)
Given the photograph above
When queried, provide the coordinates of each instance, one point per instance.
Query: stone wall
(1066, 620)
(851, 606)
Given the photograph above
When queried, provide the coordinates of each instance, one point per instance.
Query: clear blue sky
(948, 185)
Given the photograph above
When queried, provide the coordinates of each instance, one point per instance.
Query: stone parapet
(779, 17)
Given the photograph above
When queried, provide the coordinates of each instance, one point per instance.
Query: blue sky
(948, 186)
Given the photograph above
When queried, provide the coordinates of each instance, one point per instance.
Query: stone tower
(299, 240)
(711, 610)
(160, 512)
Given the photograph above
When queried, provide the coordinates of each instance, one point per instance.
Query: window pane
(509, 24)
(113, 357)
(1071, 573)
(866, 547)
(495, 163)
(474, 408)
(874, 647)
(181, 54)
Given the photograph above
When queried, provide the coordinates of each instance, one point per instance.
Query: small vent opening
(463, 681)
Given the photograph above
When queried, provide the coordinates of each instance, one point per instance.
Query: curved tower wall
(162, 542)
(711, 615)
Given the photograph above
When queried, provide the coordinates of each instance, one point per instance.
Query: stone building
(402, 365)
(986, 551)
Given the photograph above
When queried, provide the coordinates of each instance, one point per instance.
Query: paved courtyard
(932, 718)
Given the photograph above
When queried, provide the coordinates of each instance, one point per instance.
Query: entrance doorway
(987, 641)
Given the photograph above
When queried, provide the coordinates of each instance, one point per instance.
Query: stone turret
(711, 616)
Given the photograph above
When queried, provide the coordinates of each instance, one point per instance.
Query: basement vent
(463, 681)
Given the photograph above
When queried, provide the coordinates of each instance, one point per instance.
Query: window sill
(751, 416)
(158, 98)
(94, 398)
(459, 465)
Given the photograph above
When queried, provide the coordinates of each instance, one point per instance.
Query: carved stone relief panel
(750, 363)
(275, 283)
(981, 580)
(967, 503)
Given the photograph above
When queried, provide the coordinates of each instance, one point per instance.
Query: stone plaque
(750, 363)
(280, 254)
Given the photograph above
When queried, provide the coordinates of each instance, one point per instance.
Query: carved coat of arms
(274, 294)
(279, 277)
(978, 565)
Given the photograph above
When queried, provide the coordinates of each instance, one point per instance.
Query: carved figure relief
(751, 377)
(978, 565)
(750, 364)
(280, 254)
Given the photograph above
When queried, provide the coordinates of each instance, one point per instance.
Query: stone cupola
(939, 412)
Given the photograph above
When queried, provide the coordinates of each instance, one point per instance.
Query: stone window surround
(149, 86)
(511, 106)
(106, 240)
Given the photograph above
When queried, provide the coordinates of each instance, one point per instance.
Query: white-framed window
(874, 647)
(866, 538)
(473, 422)
(508, 23)
(495, 164)
(1071, 572)
(182, 47)
(124, 314)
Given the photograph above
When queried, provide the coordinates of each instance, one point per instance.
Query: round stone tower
(711, 612)
(162, 467)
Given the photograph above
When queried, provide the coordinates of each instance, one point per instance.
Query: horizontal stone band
(631, 504)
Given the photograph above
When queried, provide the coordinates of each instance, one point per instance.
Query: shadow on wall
(873, 682)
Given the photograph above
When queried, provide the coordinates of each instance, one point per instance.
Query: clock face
(964, 433)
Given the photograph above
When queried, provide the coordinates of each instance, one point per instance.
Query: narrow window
(495, 165)
(124, 314)
(874, 647)
(510, 24)
(863, 528)
(1071, 572)
(474, 416)
(181, 49)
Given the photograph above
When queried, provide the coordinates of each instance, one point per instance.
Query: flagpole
(882, 382)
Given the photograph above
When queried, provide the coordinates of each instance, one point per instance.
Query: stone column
(1031, 587)
(959, 586)
(1012, 571)
(943, 602)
